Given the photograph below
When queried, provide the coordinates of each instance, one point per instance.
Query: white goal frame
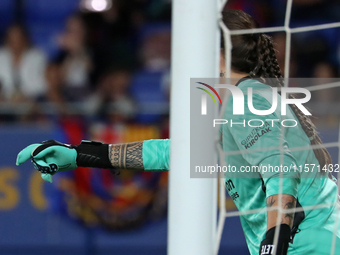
(192, 201)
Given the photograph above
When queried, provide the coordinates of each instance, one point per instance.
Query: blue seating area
(37, 11)
(6, 15)
(149, 96)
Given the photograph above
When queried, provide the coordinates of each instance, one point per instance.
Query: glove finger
(42, 163)
(45, 152)
(47, 177)
(26, 154)
(45, 167)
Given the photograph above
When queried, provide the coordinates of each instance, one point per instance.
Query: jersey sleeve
(258, 139)
(156, 154)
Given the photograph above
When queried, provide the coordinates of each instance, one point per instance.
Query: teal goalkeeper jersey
(258, 163)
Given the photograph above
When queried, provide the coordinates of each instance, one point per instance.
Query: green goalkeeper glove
(51, 156)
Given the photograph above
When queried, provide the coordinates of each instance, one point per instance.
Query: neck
(233, 74)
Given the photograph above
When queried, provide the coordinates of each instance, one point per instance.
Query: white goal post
(192, 201)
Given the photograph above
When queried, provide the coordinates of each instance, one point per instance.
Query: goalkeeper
(300, 231)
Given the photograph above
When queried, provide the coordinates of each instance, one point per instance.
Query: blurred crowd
(113, 66)
(100, 76)
(98, 68)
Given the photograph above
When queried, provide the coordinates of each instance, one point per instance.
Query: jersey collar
(247, 78)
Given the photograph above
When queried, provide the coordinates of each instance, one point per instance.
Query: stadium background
(70, 72)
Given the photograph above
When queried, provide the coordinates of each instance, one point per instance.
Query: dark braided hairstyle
(254, 54)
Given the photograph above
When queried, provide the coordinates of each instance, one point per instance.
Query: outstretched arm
(51, 156)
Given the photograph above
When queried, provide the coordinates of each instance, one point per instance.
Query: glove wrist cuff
(93, 154)
(267, 245)
(284, 232)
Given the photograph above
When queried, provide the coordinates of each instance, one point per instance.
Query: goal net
(316, 87)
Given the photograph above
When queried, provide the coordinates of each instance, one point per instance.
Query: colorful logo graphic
(204, 97)
(239, 99)
(213, 90)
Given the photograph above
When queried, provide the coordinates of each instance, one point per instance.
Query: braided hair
(255, 54)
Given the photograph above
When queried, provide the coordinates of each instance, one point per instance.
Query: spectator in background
(55, 94)
(22, 67)
(75, 59)
(54, 81)
(112, 100)
(156, 50)
(50, 105)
